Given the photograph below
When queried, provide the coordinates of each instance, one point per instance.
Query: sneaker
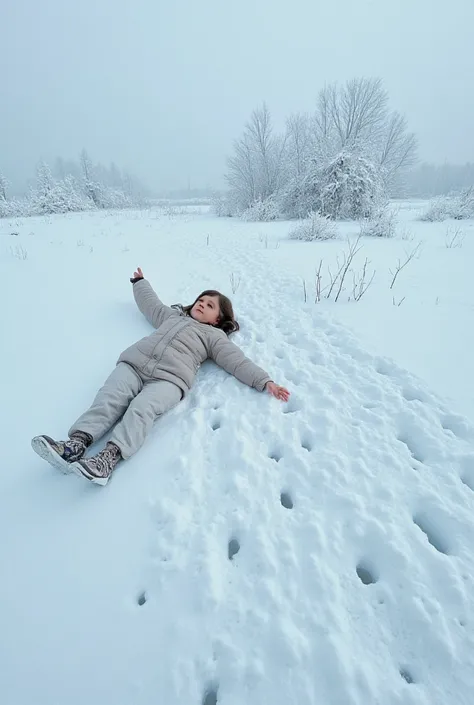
(98, 468)
(60, 454)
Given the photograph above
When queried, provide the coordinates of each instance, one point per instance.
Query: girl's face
(206, 310)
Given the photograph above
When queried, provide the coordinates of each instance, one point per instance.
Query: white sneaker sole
(41, 446)
(80, 470)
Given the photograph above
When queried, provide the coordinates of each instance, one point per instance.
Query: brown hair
(227, 321)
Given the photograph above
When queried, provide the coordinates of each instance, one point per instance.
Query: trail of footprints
(365, 569)
(210, 695)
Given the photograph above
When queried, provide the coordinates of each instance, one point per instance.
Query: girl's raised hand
(276, 391)
(138, 274)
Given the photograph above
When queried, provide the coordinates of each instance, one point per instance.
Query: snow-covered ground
(252, 552)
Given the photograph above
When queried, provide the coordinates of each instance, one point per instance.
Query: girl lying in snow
(151, 377)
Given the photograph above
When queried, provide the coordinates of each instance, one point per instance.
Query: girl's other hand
(138, 274)
(276, 391)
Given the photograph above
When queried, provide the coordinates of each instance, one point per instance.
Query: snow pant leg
(157, 397)
(110, 403)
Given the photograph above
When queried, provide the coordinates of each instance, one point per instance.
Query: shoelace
(106, 459)
(75, 444)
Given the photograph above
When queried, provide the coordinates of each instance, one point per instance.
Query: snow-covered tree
(70, 196)
(11, 207)
(3, 187)
(347, 186)
(223, 205)
(14, 208)
(51, 196)
(352, 134)
(41, 197)
(114, 198)
(74, 186)
(5, 206)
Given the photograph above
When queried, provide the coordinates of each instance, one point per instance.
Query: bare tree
(260, 131)
(255, 171)
(356, 116)
(322, 123)
(241, 175)
(398, 146)
(352, 113)
(298, 143)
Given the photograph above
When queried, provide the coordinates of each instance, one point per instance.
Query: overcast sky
(164, 87)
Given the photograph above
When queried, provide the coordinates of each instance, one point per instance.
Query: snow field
(252, 552)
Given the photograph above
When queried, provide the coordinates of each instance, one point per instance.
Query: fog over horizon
(163, 89)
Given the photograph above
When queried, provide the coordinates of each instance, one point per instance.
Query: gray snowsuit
(155, 373)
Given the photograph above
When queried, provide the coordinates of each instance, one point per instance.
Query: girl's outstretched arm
(147, 300)
(231, 358)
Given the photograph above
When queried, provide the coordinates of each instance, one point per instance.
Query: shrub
(439, 209)
(316, 227)
(222, 206)
(15, 209)
(458, 206)
(262, 211)
(381, 224)
(347, 186)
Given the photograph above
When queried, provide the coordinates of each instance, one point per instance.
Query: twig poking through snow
(400, 266)
(399, 303)
(359, 279)
(19, 252)
(264, 239)
(234, 282)
(359, 285)
(454, 238)
(353, 250)
(318, 283)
